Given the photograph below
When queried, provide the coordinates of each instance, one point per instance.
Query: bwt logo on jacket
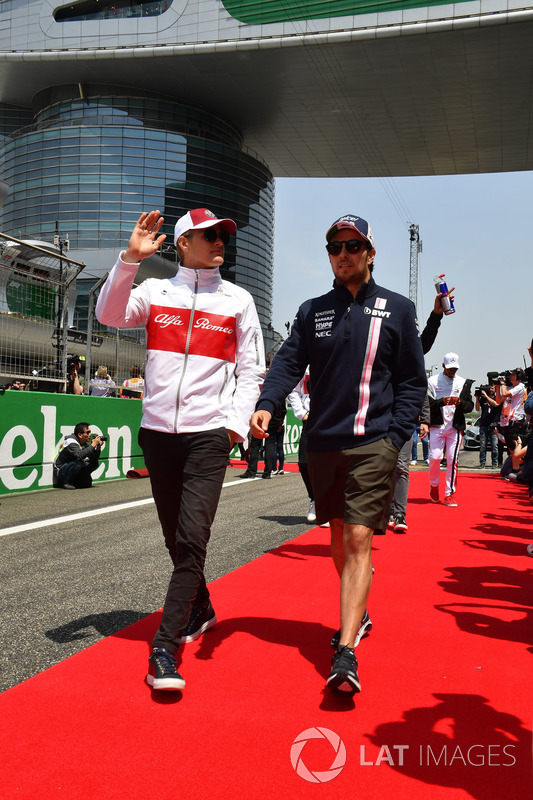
(377, 312)
(212, 335)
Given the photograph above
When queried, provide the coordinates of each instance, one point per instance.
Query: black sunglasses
(352, 246)
(211, 235)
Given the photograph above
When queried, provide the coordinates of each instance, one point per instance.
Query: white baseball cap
(201, 218)
(451, 361)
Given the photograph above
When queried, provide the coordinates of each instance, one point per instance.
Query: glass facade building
(92, 164)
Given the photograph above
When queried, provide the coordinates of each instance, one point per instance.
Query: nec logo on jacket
(211, 335)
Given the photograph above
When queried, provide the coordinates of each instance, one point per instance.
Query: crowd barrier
(32, 425)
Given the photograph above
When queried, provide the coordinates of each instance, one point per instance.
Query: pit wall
(32, 425)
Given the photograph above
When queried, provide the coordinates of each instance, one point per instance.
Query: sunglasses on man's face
(352, 246)
(211, 235)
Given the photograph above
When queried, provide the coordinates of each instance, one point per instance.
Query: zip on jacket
(205, 359)
(367, 370)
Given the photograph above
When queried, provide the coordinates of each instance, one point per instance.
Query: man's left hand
(437, 306)
(232, 438)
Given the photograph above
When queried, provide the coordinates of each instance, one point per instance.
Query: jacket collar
(206, 277)
(365, 290)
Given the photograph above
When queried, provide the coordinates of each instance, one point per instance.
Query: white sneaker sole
(165, 684)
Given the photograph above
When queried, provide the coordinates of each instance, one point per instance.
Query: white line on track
(45, 523)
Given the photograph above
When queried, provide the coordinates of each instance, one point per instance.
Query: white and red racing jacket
(205, 355)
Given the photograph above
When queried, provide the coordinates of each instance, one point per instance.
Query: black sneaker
(162, 672)
(364, 629)
(247, 475)
(400, 525)
(343, 676)
(201, 619)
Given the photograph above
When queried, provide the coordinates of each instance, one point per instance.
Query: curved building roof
(435, 89)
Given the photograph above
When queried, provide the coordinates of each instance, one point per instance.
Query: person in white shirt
(205, 365)
(449, 399)
(511, 392)
(102, 384)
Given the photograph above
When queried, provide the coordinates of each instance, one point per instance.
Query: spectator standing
(511, 393)
(409, 450)
(73, 380)
(134, 385)
(101, 385)
(205, 364)
(276, 431)
(254, 452)
(418, 434)
(300, 401)
(487, 404)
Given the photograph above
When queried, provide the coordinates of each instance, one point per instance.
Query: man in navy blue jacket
(368, 382)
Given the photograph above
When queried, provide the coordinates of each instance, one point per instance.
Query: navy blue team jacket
(367, 376)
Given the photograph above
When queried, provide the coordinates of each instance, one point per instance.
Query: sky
(477, 229)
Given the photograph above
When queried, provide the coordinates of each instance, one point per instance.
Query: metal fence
(37, 333)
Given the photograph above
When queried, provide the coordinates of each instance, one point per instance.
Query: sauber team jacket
(205, 357)
(367, 369)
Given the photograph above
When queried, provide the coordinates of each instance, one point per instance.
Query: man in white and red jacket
(205, 365)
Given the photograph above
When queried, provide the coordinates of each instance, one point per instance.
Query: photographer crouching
(77, 458)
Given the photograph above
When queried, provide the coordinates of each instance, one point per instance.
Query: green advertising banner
(31, 299)
(32, 424)
(262, 12)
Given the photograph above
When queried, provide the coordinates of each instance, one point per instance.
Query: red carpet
(446, 694)
(240, 464)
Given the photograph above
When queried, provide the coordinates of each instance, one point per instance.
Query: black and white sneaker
(364, 629)
(201, 619)
(162, 672)
(400, 525)
(343, 676)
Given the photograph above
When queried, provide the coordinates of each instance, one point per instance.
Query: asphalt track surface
(85, 564)
(69, 584)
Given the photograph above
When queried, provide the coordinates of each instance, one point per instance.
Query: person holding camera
(511, 392)
(490, 414)
(73, 382)
(449, 399)
(102, 385)
(77, 458)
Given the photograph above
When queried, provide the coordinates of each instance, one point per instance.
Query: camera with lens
(520, 375)
(102, 437)
(483, 388)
